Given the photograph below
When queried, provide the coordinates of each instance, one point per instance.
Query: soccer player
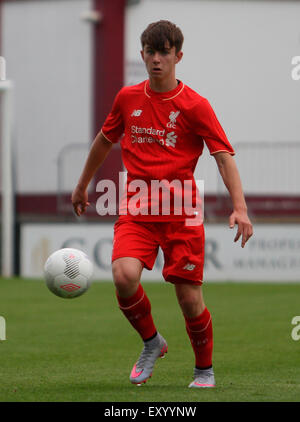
(162, 125)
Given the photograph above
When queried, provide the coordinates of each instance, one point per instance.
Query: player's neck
(161, 85)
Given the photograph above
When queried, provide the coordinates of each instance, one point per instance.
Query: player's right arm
(98, 152)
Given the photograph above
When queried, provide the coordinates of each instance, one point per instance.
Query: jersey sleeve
(113, 127)
(209, 129)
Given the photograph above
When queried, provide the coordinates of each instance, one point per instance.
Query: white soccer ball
(68, 273)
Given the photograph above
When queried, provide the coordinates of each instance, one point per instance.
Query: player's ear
(142, 54)
(179, 56)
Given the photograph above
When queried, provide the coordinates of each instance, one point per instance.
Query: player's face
(161, 64)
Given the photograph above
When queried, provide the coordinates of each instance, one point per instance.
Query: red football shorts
(182, 246)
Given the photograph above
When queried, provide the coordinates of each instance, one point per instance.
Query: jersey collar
(163, 96)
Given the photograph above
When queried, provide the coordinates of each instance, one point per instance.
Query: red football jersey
(162, 136)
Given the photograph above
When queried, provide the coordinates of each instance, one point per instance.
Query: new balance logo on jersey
(189, 267)
(171, 139)
(172, 119)
(136, 113)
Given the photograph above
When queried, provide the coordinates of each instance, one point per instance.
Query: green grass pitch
(83, 349)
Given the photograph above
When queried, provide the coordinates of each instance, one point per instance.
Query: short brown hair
(158, 33)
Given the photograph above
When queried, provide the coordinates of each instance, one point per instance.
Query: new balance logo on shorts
(189, 267)
(136, 113)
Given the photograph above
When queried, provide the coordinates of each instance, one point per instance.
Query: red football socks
(137, 309)
(200, 333)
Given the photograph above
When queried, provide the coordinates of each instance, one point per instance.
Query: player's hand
(80, 200)
(245, 228)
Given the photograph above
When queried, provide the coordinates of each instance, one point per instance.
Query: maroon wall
(108, 74)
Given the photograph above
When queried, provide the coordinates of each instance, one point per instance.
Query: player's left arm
(230, 175)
